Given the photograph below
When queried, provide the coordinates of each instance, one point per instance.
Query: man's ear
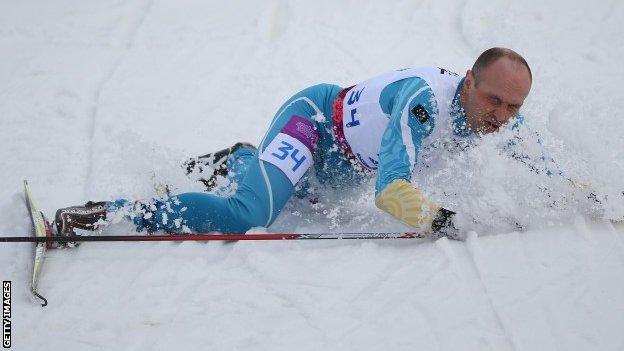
(469, 80)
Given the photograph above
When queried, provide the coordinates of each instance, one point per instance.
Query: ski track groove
(270, 286)
(144, 266)
(460, 28)
(471, 245)
(616, 248)
(610, 9)
(618, 240)
(93, 116)
(278, 25)
(380, 285)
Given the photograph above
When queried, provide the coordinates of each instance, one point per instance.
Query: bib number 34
(288, 149)
(288, 154)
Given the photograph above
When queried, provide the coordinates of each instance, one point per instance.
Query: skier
(381, 128)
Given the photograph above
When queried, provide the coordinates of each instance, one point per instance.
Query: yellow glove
(407, 204)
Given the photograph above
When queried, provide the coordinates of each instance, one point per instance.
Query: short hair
(489, 56)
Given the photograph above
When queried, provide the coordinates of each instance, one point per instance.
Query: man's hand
(442, 225)
(407, 204)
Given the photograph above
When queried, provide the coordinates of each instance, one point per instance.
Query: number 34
(286, 151)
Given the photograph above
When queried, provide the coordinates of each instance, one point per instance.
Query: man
(381, 128)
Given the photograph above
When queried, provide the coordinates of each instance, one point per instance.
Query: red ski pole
(215, 237)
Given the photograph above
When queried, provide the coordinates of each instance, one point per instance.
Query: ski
(39, 226)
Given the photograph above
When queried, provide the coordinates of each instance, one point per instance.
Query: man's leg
(203, 212)
(284, 155)
(231, 163)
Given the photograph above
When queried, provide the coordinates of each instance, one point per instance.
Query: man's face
(496, 96)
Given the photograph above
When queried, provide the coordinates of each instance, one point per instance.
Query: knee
(250, 213)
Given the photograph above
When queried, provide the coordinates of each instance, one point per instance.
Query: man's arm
(412, 119)
(540, 161)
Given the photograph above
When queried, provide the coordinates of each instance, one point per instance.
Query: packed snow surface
(104, 99)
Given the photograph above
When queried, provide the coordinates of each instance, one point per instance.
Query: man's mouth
(491, 125)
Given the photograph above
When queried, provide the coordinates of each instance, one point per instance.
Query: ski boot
(209, 166)
(87, 217)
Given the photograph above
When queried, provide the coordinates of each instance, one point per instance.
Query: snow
(104, 99)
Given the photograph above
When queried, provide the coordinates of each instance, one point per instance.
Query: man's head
(495, 89)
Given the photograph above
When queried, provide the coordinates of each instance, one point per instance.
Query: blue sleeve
(538, 161)
(517, 122)
(411, 120)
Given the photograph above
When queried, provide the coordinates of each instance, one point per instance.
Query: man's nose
(501, 114)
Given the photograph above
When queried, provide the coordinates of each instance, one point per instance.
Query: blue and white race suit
(383, 127)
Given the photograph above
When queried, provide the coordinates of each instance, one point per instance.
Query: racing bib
(291, 149)
(365, 122)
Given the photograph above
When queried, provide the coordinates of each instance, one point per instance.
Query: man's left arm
(412, 119)
(541, 162)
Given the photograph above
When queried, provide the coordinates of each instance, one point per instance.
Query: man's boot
(211, 165)
(88, 217)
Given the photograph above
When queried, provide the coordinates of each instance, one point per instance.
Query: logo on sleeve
(421, 113)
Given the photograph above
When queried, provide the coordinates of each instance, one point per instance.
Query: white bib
(364, 122)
